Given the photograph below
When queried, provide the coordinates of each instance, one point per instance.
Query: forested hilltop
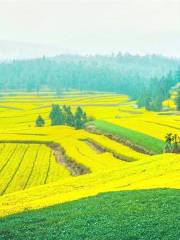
(128, 74)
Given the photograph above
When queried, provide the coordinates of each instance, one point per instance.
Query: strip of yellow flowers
(161, 171)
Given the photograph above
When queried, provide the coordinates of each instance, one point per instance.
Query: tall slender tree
(56, 115)
(68, 115)
(79, 118)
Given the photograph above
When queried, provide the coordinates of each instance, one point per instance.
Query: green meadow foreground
(140, 214)
(120, 152)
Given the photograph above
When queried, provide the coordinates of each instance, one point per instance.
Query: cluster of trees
(64, 116)
(172, 143)
(158, 90)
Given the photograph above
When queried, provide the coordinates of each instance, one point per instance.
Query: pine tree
(68, 115)
(156, 104)
(79, 112)
(142, 98)
(56, 115)
(40, 121)
(79, 118)
(148, 103)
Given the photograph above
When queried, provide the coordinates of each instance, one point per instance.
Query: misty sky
(136, 26)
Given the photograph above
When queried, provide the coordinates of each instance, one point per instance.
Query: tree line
(158, 90)
(119, 73)
(147, 79)
(64, 116)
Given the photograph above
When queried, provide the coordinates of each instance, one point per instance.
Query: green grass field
(148, 142)
(126, 215)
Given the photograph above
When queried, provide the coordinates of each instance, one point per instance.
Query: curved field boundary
(25, 141)
(26, 114)
(93, 145)
(84, 105)
(59, 152)
(74, 168)
(25, 134)
(12, 108)
(9, 158)
(16, 170)
(130, 111)
(32, 168)
(138, 141)
(2, 149)
(99, 147)
(163, 125)
(48, 169)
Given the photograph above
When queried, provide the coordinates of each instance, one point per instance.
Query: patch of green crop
(148, 142)
(126, 215)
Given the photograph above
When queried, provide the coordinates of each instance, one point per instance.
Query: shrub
(40, 121)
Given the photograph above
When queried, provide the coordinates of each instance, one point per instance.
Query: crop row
(26, 165)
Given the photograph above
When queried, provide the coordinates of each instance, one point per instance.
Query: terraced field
(122, 149)
(27, 165)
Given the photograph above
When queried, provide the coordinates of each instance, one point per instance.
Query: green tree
(148, 103)
(79, 112)
(56, 115)
(141, 101)
(178, 100)
(69, 118)
(80, 118)
(39, 121)
(156, 104)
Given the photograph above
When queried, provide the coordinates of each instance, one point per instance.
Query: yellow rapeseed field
(30, 176)
(26, 165)
(154, 172)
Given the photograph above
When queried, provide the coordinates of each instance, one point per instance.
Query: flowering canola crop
(30, 176)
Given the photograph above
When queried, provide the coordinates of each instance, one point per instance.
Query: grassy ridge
(148, 142)
(123, 215)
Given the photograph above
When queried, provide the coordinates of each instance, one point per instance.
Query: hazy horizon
(36, 28)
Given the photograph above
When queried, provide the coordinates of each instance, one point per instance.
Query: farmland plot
(30, 173)
(27, 165)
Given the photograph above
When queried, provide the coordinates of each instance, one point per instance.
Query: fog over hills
(11, 50)
(24, 50)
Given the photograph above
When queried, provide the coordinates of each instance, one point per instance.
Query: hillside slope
(160, 171)
(110, 216)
